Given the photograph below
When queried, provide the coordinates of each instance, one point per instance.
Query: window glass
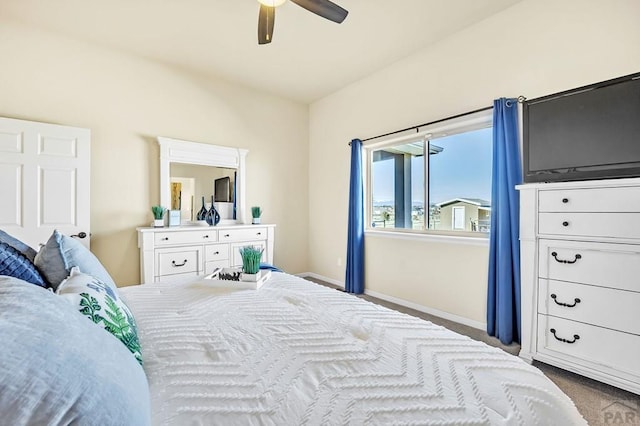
(455, 181)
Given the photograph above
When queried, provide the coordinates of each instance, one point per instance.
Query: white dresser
(176, 254)
(580, 260)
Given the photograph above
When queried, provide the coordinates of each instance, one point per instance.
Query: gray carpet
(599, 404)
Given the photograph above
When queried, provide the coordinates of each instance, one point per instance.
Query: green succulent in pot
(158, 212)
(251, 257)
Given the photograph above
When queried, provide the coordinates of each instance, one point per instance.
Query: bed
(78, 350)
(294, 353)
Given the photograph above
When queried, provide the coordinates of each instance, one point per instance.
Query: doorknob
(80, 235)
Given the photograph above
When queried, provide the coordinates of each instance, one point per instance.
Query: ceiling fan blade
(266, 19)
(324, 8)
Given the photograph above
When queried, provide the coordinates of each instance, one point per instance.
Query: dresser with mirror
(193, 174)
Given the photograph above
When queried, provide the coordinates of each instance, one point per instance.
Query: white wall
(535, 48)
(127, 102)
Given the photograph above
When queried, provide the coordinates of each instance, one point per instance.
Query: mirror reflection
(191, 185)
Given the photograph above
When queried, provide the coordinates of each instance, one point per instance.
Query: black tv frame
(223, 185)
(594, 172)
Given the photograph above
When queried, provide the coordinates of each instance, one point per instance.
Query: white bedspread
(296, 353)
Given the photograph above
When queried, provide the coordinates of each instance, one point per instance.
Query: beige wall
(127, 102)
(537, 47)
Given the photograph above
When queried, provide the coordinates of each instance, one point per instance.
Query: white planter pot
(256, 220)
(158, 223)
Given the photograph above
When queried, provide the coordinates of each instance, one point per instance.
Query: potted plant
(158, 216)
(256, 212)
(251, 257)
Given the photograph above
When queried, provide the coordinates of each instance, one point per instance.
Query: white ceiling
(308, 59)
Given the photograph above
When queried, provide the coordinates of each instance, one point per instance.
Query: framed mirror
(193, 174)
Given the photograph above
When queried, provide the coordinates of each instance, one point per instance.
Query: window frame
(447, 127)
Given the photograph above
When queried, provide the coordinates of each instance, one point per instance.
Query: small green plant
(251, 257)
(158, 212)
(256, 211)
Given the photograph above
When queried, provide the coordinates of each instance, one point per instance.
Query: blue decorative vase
(212, 217)
(202, 212)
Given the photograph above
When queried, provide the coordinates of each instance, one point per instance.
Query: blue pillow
(61, 368)
(101, 304)
(27, 251)
(15, 264)
(61, 253)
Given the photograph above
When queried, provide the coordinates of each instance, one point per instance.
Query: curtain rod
(417, 127)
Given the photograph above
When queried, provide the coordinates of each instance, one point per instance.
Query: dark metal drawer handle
(177, 265)
(227, 235)
(576, 257)
(575, 302)
(165, 239)
(565, 200)
(575, 337)
(205, 236)
(216, 253)
(565, 223)
(259, 233)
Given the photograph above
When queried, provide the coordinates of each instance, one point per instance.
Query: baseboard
(322, 278)
(405, 303)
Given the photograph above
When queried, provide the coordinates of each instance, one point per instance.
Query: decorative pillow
(102, 305)
(15, 264)
(61, 253)
(27, 251)
(61, 369)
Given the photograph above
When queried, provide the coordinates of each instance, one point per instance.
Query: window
(448, 190)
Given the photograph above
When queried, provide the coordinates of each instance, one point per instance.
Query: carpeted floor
(599, 404)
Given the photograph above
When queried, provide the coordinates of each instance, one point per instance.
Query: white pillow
(101, 304)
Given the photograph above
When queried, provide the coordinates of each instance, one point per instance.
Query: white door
(44, 175)
(458, 218)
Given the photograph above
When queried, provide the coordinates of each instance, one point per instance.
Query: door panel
(45, 170)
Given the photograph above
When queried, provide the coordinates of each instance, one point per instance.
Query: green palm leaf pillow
(101, 304)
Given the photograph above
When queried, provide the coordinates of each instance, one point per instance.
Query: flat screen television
(592, 132)
(222, 190)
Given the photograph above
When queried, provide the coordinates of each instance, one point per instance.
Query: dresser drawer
(216, 252)
(596, 347)
(244, 234)
(612, 225)
(604, 307)
(186, 237)
(606, 265)
(178, 261)
(622, 199)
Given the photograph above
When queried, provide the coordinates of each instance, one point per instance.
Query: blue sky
(462, 169)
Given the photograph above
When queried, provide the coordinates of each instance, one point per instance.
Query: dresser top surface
(194, 228)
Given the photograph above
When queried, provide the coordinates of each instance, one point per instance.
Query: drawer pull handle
(576, 257)
(259, 233)
(205, 236)
(565, 223)
(226, 235)
(216, 252)
(177, 265)
(165, 239)
(575, 302)
(565, 200)
(575, 337)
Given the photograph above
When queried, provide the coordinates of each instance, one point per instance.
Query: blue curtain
(354, 282)
(503, 301)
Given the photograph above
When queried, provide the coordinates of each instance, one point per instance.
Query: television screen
(592, 132)
(222, 190)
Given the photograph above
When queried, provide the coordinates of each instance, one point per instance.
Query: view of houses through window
(457, 188)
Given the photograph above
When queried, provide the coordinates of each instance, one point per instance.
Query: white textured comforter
(296, 353)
